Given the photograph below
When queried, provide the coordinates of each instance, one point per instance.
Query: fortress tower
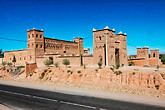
(109, 48)
(143, 53)
(35, 45)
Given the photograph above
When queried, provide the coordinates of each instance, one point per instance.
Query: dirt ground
(145, 81)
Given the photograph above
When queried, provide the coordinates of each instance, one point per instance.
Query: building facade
(109, 48)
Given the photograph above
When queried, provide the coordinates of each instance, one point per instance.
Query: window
(32, 35)
(28, 45)
(40, 36)
(100, 37)
(24, 58)
(32, 44)
(36, 35)
(29, 36)
(36, 45)
(154, 55)
(20, 58)
(41, 46)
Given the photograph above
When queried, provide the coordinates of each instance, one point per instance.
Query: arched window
(40, 36)
(36, 35)
(33, 35)
(36, 45)
(154, 55)
(41, 46)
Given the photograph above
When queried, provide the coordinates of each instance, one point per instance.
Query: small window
(41, 46)
(36, 35)
(32, 44)
(28, 45)
(100, 37)
(40, 36)
(36, 45)
(29, 36)
(20, 58)
(154, 55)
(64, 51)
(32, 35)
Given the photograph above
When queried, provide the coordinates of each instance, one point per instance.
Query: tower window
(28, 45)
(41, 46)
(32, 44)
(32, 35)
(36, 45)
(100, 37)
(29, 36)
(40, 36)
(154, 55)
(36, 35)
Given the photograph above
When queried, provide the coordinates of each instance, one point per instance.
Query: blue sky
(142, 20)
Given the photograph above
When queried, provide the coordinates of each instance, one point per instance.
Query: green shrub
(79, 71)
(56, 64)
(9, 64)
(50, 71)
(112, 69)
(157, 67)
(100, 64)
(1, 76)
(66, 62)
(84, 66)
(19, 67)
(48, 62)
(118, 65)
(96, 70)
(3, 63)
(42, 75)
(131, 63)
(45, 70)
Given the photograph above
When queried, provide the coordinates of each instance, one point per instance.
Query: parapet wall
(30, 67)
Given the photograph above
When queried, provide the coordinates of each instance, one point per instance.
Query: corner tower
(35, 44)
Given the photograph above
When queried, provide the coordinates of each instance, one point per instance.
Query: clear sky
(142, 20)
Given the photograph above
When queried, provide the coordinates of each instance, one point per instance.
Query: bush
(3, 63)
(56, 64)
(117, 66)
(100, 64)
(50, 71)
(157, 87)
(117, 72)
(122, 65)
(19, 67)
(1, 76)
(66, 62)
(84, 66)
(48, 62)
(9, 64)
(131, 63)
(112, 69)
(68, 71)
(45, 70)
(79, 71)
(42, 75)
(96, 70)
(157, 67)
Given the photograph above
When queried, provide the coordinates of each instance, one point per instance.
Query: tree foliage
(1, 54)
(66, 62)
(48, 62)
(100, 64)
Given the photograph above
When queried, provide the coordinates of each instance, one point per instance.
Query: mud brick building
(111, 49)
(143, 57)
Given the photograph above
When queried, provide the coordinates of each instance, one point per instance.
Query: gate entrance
(117, 56)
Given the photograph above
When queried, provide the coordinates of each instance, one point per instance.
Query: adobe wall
(29, 67)
(154, 61)
(20, 55)
(60, 46)
(74, 60)
(88, 60)
(138, 62)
